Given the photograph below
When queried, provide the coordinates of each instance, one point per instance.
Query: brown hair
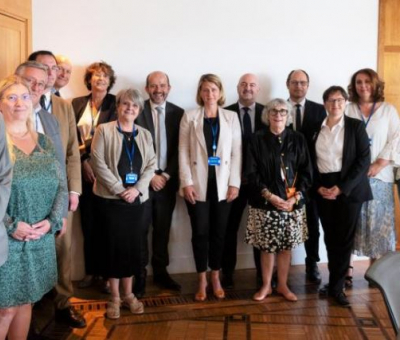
(99, 67)
(378, 86)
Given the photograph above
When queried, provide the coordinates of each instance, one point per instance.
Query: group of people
(123, 159)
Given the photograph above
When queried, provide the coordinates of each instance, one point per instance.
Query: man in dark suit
(162, 119)
(307, 119)
(249, 113)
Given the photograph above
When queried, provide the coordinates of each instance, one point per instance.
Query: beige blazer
(64, 113)
(193, 158)
(105, 154)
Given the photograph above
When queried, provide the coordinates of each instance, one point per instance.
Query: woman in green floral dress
(34, 212)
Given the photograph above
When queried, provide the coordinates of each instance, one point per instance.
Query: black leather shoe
(70, 317)
(341, 299)
(227, 281)
(312, 273)
(165, 281)
(324, 291)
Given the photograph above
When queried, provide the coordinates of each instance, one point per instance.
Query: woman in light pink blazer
(210, 159)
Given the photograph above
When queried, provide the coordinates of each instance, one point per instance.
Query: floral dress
(38, 192)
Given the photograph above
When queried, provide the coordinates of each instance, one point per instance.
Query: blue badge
(131, 178)
(214, 161)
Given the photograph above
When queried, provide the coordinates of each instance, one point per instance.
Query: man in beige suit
(63, 111)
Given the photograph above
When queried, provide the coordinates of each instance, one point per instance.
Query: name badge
(214, 161)
(131, 178)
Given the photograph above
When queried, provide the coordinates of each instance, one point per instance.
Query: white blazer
(193, 157)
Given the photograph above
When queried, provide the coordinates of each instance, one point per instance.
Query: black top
(124, 163)
(208, 135)
(265, 155)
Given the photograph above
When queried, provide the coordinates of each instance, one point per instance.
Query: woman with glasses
(279, 174)
(96, 108)
(34, 212)
(341, 158)
(376, 233)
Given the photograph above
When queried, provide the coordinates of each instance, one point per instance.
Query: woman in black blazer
(341, 159)
(96, 108)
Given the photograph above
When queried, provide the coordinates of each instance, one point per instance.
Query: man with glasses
(307, 118)
(249, 114)
(64, 113)
(64, 73)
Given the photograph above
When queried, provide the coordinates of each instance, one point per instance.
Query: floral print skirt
(273, 231)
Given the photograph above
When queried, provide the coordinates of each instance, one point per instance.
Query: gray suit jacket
(5, 185)
(52, 130)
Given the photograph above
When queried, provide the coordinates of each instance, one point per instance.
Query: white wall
(329, 39)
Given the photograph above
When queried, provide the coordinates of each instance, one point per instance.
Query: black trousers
(312, 243)
(91, 240)
(209, 220)
(229, 257)
(339, 219)
(158, 212)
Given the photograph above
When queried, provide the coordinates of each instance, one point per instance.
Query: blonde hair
(5, 84)
(210, 78)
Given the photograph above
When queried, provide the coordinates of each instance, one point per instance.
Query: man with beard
(162, 119)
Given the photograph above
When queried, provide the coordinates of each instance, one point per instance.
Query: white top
(87, 124)
(293, 115)
(329, 147)
(383, 131)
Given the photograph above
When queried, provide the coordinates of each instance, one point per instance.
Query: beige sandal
(133, 304)
(113, 308)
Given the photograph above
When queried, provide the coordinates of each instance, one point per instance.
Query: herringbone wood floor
(176, 316)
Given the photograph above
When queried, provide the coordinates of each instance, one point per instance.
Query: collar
(153, 106)
(252, 107)
(340, 124)
(302, 103)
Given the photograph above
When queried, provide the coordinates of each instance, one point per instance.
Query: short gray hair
(131, 94)
(33, 64)
(272, 105)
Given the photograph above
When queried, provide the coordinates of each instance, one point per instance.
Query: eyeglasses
(338, 100)
(296, 83)
(281, 112)
(33, 82)
(53, 68)
(13, 98)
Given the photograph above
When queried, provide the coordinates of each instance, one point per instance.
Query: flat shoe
(261, 297)
(289, 296)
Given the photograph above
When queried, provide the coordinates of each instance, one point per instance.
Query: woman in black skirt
(279, 174)
(123, 161)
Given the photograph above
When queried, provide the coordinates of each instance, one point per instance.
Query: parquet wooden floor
(179, 317)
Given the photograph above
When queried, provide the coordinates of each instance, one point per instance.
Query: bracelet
(266, 194)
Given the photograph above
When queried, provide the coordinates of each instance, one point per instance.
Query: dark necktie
(43, 102)
(246, 124)
(298, 117)
(57, 93)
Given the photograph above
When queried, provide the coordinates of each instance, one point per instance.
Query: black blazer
(258, 125)
(354, 182)
(173, 115)
(107, 114)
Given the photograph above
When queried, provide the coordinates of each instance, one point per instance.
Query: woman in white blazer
(210, 159)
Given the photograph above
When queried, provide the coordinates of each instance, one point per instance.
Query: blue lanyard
(214, 131)
(131, 153)
(366, 122)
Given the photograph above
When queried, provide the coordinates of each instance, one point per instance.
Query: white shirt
(382, 130)
(252, 113)
(87, 123)
(329, 147)
(293, 115)
(48, 106)
(37, 123)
